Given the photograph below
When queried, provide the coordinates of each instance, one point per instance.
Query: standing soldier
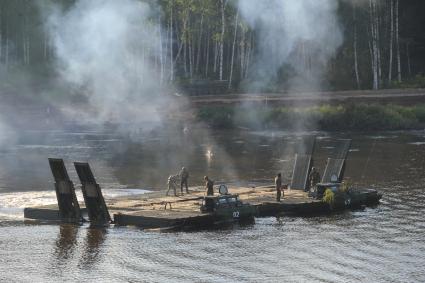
(172, 184)
(209, 185)
(278, 184)
(184, 175)
(314, 177)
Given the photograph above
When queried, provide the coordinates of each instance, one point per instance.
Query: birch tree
(233, 49)
(390, 64)
(374, 44)
(356, 63)
(397, 40)
(198, 56)
(161, 59)
(223, 4)
(171, 43)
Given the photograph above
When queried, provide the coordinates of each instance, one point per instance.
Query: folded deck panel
(93, 198)
(69, 209)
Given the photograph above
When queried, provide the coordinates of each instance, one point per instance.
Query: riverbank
(402, 96)
(353, 117)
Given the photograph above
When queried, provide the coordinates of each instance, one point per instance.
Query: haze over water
(382, 244)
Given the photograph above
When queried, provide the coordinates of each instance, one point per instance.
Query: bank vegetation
(347, 117)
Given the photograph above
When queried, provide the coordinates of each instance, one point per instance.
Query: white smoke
(109, 51)
(298, 36)
(106, 50)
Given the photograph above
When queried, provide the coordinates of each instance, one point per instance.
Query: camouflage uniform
(172, 184)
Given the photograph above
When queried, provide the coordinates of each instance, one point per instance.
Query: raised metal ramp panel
(334, 171)
(342, 149)
(303, 163)
(69, 209)
(306, 145)
(95, 203)
(301, 171)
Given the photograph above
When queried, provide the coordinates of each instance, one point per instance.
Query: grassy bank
(356, 117)
(417, 81)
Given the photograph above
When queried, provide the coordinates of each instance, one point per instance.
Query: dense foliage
(383, 42)
(356, 117)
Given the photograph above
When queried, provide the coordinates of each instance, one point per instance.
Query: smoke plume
(106, 50)
(295, 40)
(110, 51)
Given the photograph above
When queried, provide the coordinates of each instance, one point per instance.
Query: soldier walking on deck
(278, 184)
(184, 175)
(314, 177)
(209, 185)
(172, 184)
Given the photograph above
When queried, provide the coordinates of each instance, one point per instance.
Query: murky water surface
(385, 244)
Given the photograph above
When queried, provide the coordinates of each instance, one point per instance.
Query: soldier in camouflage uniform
(172, 184)
(278, 184)
(209, 185)
(184, 175)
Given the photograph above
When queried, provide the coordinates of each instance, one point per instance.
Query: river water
(382, 244)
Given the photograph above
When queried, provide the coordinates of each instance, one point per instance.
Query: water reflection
(209, 155)
(67, 246)
(66, 242)
(92, 248)
(145, 160)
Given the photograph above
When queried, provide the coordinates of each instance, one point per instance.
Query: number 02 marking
(235, 214)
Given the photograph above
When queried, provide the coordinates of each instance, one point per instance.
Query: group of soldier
(313, 177)
(183, 176)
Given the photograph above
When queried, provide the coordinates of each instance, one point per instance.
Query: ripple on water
(382, 244)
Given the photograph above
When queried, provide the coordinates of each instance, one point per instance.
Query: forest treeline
(208, 40)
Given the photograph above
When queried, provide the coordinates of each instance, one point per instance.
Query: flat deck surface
(157, 200)
(188, 205)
